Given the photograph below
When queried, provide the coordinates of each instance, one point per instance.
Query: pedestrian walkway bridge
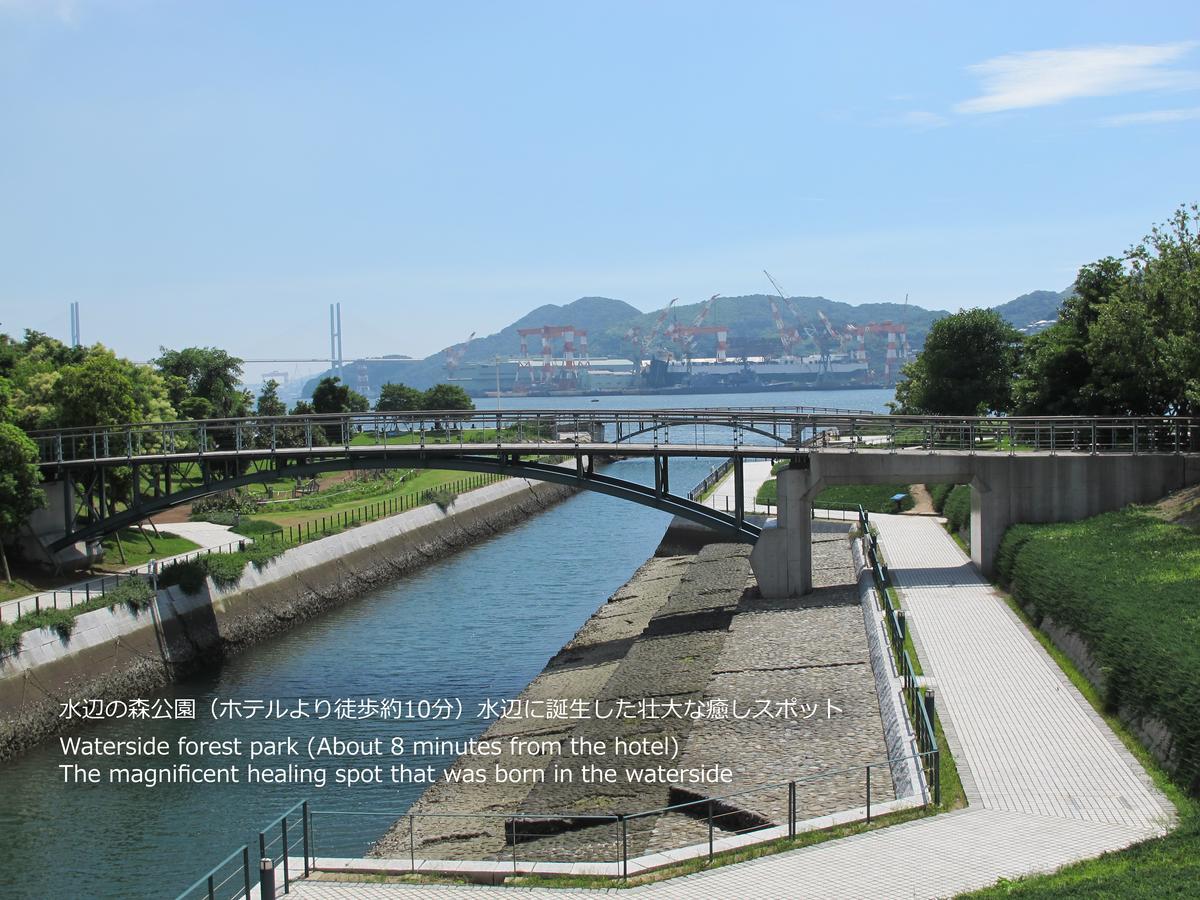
(1024, 469)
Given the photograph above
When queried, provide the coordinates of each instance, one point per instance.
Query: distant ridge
(749, 319)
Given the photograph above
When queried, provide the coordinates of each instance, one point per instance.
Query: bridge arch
(581, 476)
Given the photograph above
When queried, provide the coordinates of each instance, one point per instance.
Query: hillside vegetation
(1126, 582)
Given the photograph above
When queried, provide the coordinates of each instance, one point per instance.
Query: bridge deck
(419, 451)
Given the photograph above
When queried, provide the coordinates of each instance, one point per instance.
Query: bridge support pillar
(782, 557)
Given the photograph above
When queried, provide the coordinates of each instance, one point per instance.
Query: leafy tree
(331, 396)
(269, 403)
(303, 408)
(399, 398)
(30, 368)
(1125, 344)
(965, 369)
(19, 491)
(101, 390)
(204, 382)
(446, 396)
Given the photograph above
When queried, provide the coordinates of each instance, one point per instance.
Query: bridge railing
(773, 810)
(841, 430)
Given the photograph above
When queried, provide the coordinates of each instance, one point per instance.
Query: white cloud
(1154, 117)
(1048, 77)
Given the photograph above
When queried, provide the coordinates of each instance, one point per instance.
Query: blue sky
(218, 173)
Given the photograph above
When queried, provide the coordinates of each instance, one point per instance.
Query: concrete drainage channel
(691, 825)
(115, 652)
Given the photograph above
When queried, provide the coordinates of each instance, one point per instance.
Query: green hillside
(752, 329)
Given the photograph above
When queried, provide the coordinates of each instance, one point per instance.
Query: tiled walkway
(1048, 782)
(754, 473)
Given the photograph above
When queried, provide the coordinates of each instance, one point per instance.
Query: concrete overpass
(1021, 469)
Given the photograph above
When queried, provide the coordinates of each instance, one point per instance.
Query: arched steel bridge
(114, 476)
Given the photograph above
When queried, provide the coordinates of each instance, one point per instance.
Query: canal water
(473, 627)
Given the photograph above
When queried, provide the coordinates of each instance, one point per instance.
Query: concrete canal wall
(118, 652)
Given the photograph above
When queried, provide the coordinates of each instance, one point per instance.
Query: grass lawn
(873, 497)
(420, 481)
(138, 552)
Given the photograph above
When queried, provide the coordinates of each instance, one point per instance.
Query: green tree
(101, 390)
(269, 403)
(204, 382)
(446, 396)
(1125, 344)
(331, 396)
(965, 369)
(19, 491)
(399, 398)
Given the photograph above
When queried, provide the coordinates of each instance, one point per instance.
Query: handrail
(799, 428)
(919, 701)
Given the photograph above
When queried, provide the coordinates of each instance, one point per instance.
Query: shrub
(135, 593)
(61, 620)
(957, 510)
(231, 502)
(188, 575)
(10, 637)
(442, 496)
(938, 493)
(255, 527)
(1125, 582)
(224, 568)
(216, 516)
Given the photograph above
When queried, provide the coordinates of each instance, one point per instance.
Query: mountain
(1033, 312)
(751, 329)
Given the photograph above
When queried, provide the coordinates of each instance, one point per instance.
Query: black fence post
(304, 822)
(791, 809)
(710, 831)
(246, 868)
(868, 794)
(935, 776)
(287, 888)
(266, 879)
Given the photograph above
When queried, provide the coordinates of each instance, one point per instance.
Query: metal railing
(288, 536)
(230, 879)
(711, 480)
(62, 598)
(918, 700)
(775, 810)
(287, 841)
(846, 430)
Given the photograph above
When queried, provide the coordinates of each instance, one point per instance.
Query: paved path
(754, 473)
(203, 534)
(1048, 783)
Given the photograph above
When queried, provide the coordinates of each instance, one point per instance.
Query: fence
(759, 814)
(234, 877)
(291, 535)
(314, 529)
(919, 700)
(262, 437)
(85, 592)
(711, 480)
